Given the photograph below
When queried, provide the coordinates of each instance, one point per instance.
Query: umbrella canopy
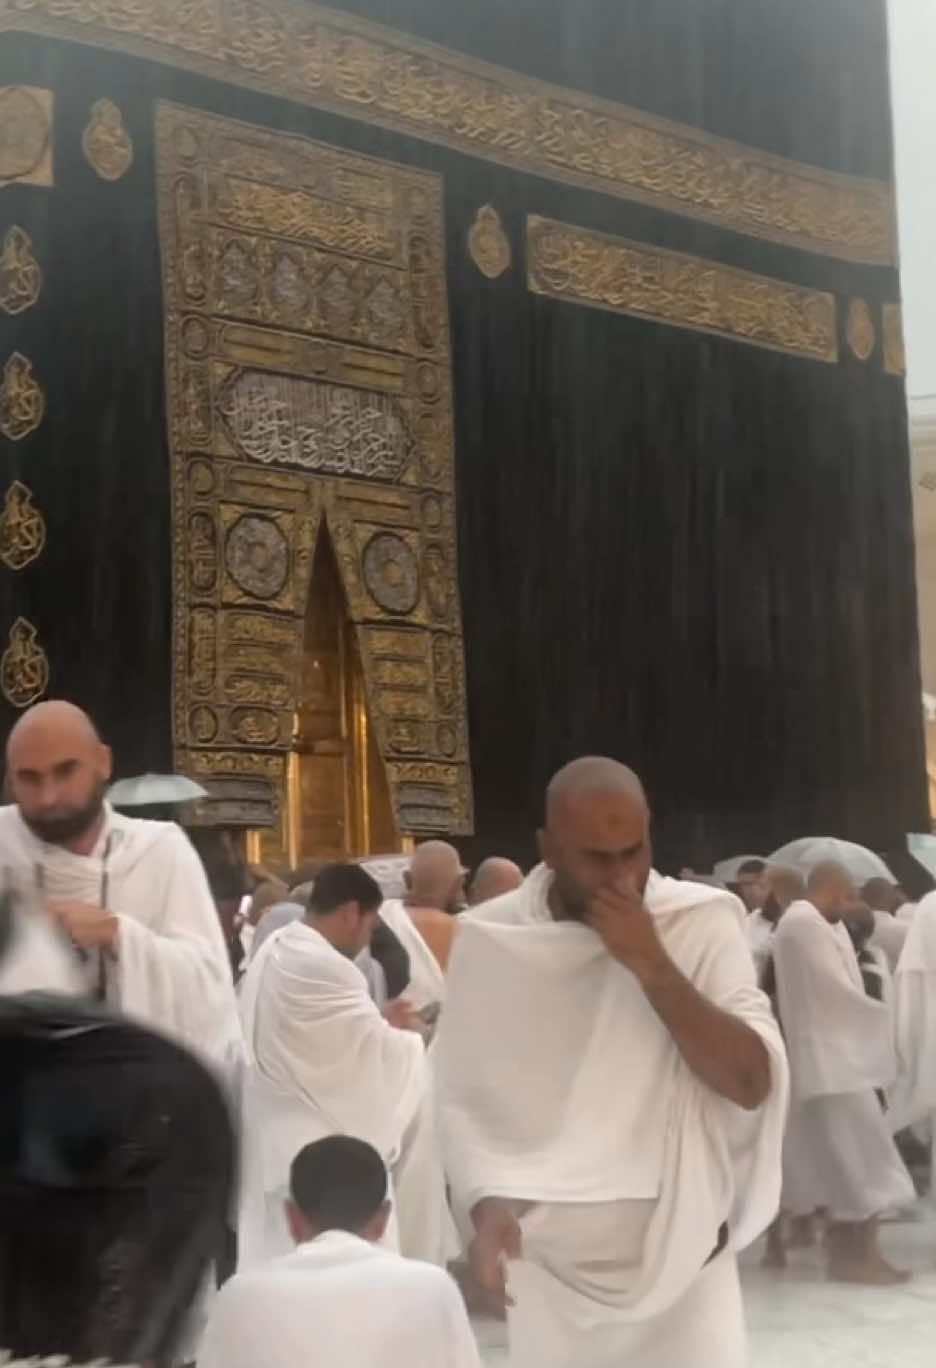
(726, 871)
(922, 846)
(388, 870)
(861, 863)
(148, 789)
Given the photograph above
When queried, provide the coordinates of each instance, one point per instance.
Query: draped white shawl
(338, 1302)
(172, 971)
(839, 1040)
(914, 1094)
(321, 1058)
(540, 1074)
(427, 982)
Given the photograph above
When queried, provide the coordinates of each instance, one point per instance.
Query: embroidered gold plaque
(22, 403)
(488, 243)
(105, 141)
(24, 666)
(669, 287)
(309, 381)
(860, 329)
(331, 60)
(20, 276)
(22, 528)
(25, 133)
(892, 327)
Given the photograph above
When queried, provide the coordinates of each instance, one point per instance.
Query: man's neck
(326, 930)
(416, 902)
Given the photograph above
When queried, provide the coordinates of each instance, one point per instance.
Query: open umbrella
(861, 863)
(148, 790)
(922, 846)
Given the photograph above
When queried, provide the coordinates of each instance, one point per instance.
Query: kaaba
(399, 399)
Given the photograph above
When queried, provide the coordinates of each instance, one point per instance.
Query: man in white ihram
(839, 1152)
(322, 1060)
(340, 1299)
(913, 1098)
(424, 920)
(612, 1095)
(108, 905)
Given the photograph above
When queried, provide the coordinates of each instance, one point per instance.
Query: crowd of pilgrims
(569, 1096)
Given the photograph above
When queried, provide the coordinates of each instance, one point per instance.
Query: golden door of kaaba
(337, 799)
(318, 648)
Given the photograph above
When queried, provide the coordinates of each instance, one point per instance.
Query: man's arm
(721, 1050)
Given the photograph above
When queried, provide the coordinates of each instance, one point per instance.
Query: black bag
(117, 1161)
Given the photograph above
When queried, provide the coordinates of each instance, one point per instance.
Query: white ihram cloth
(889, 935)
(427, 982)
(172, 970)
(760, 931)
(913, 1096)
(323, 1061)
(559, 1085)
(906, 912)
(339, 1302)
(838, 1152)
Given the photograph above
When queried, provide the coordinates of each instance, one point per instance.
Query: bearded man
(108, 906)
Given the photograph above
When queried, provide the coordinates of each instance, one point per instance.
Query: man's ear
(376, 1227)
(407, 881)
(107, 763)
(299, 1227)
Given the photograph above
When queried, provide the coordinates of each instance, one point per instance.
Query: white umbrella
(922, 846)
(861, 863)
(145, 790)
(726, 871)
(388, 870)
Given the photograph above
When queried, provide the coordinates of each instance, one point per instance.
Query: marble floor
(798, 1320)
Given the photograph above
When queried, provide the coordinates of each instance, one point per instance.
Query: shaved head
(783, 885)
(597, 833)
(58, 771)
(54, 718)
(591, 774)
(787, 884)
(831, 889)
(434, 878)
(492, 878)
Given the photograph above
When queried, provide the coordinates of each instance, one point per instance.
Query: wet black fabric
(689, 553)
(116, 1172)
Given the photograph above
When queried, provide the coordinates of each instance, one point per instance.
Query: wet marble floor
(796, 1319)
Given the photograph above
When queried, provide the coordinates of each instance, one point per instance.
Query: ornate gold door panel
(309, 377)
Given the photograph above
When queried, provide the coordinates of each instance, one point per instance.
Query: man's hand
(722, 1050)
(90, 928)
(498, 1237)
(626, 927)
(403, 1016)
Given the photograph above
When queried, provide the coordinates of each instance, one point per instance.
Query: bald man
(886, 899)
(783, 886)
(112, 906)
(612, 1090)
(492, 879)
(839, 1153)
(424, 919)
